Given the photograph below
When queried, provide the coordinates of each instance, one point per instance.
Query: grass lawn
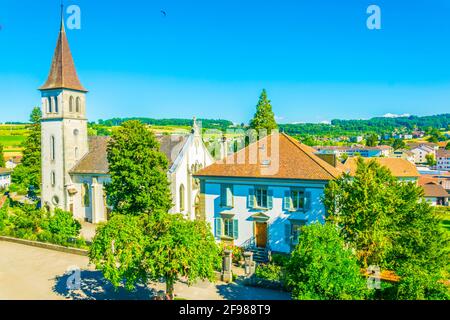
(12, 141)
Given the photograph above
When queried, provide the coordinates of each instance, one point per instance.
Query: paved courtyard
(34, 273)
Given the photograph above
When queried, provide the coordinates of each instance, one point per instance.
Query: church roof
(96, 162)
(62, 72)
(295, 161)
(171, 146)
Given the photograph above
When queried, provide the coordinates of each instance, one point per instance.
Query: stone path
(34, 273)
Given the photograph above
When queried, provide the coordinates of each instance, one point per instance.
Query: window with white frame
(261, 196)
(226, 227)
(226, 195)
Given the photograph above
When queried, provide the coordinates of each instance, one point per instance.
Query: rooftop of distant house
(400, 168)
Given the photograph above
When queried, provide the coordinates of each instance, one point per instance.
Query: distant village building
(357, 139)
(75, 166)
(13, 162)
(5, 177)
(421, 150)
(434, 192)
(260, 211)
(443, 159)
(363, 151)
(404, 154)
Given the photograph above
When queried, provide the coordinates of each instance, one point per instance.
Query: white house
(443, 160)
(421, 151)
(75, 166)
(260, 196)
(13, 162)
(5, 178)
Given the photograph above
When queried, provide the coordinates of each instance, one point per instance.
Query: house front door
(261, 234)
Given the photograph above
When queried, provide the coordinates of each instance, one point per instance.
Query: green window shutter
(218, 227)
(229, 195)
(269, 199)
(287, 200)
(251, 198)
(287, 233)
(223, 195)
(308, 200)
(235, 229)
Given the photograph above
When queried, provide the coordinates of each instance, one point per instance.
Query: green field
(12, 141)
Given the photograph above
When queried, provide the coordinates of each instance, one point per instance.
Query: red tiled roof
(295, 161)
(62, 72)
(432, 189)
(398, 167)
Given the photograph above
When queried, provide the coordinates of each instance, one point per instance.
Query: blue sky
(211, 58)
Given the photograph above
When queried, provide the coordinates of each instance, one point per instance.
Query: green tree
(361, 206)
(390, 224)
(447, 147)
(138, 170)
(62, 225)
(372, 140)
(180, 248)
(137, 249)
(431, 161)
(398, 144)
(2, 157)
(264, 118)
(322, 268)
(28, 172)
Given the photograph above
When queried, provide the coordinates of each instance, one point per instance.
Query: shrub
(280, 259)
(237, 252)
(270, 271)
(321, 268)
(63, 226)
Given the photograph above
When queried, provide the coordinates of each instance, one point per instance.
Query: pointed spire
(62, 72)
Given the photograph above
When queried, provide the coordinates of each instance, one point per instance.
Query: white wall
(278, 216)
(5, 180)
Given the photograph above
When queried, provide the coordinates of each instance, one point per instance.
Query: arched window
(71, 104)
(85, 200)
(53, 178)
(181, 198)
(52, 147)
(76, 153)
(45, 105)
(78, 105)
(56, 104)
(50, 107)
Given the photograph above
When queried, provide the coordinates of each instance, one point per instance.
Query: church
(75, 165)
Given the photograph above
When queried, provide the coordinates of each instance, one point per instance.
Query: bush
(63, 226)
(237, 252)
(270, 271)
(280, 259)
(321, 268)
(28, 222)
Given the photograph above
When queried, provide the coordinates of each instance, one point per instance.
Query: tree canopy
(390, 225)
(2, 157)
(28, 172)
(138, 170)
(136, 249)
(322, 268)
(264, 118)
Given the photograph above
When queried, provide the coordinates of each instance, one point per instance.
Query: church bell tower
(64, 125)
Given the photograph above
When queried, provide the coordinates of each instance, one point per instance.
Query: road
(32, 273)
